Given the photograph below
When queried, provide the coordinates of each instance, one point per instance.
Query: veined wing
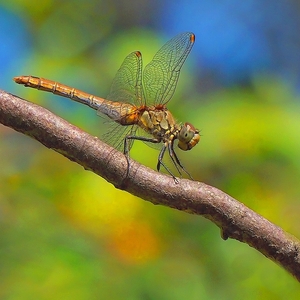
(116, 134)
(162, 73)
(127, 84)
(126, 87)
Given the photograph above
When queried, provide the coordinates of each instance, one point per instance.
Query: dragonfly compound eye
(188, 137)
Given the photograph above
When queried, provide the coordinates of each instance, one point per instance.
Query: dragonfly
(137, 102)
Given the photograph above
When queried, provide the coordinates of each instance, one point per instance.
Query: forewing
(161, 74)
(127, 84)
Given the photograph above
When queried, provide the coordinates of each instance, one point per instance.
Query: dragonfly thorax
(159, 122)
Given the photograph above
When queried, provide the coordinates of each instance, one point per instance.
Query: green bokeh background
(68, 234)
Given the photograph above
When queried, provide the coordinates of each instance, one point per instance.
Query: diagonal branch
(234, 219)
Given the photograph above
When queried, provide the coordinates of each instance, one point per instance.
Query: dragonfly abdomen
(61, 90)
(123, 113)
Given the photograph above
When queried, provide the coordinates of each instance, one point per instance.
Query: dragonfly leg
(150, 140)
(127, 140)
(176, 160)
(160, 162)
(126, 153)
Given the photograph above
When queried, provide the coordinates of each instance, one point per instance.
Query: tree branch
(234, 219)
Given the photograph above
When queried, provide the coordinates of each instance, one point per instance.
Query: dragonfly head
(188, 137)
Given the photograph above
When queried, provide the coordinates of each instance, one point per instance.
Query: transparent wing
(127, 84)
(126, 87)
(116, 134)
(161, 74)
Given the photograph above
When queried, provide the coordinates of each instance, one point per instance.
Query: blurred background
(68, 234)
